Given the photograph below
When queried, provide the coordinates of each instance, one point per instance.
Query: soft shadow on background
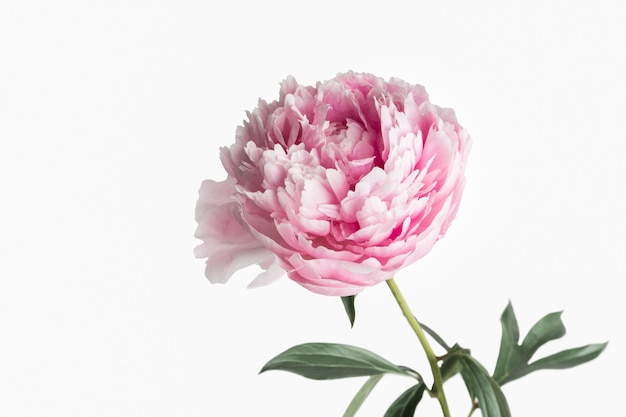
(112, 113)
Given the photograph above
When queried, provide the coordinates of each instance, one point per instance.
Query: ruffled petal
(227, 244)
(340, 184)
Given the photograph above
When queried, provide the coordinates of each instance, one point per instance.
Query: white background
(112, 113)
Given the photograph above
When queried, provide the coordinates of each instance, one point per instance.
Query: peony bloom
(338, 185)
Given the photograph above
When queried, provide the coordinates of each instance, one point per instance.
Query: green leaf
(451, 363)
(348, 304)
(483, 387)
(435, 336)
(410, 372)
(362, 395)
(513, 359)
(508, 342)
(568, 358)
(550, 327)
(405, 404)
(332, 361)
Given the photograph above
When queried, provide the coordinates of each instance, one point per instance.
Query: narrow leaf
(348, 304)
(550, 327)
(436, 337)
(332, 361)
(513, 360)
(568, 358)
(480, 385)
(508, 342)
(410, 372)
(362, 395)
(405, 404)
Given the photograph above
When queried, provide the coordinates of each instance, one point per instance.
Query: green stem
(432, 359)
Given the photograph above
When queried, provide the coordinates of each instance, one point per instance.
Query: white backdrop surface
(112, 113)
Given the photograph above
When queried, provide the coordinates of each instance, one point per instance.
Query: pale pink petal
(228, 245)
(271, 275)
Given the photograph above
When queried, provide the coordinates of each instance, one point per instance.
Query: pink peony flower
(338, 185)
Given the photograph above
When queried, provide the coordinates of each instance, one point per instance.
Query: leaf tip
(264, 368)
(348, 304)
(508, 308)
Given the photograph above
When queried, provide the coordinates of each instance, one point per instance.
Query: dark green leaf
(405, 404)
(568, 358)
(362, 395)
(331, 361)
(508, 342)
(481, 386)
(550, 327)
(451, 364)
(410, 372)
(435, 336)
(348, 304)
(513, 360)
